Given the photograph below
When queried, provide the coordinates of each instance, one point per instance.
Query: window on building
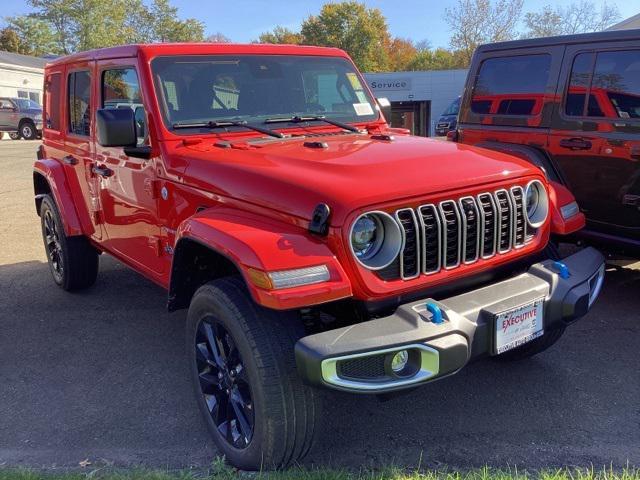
(79, 103)
(52, 104)
(34, 97)
(23, 94)
(518, 83)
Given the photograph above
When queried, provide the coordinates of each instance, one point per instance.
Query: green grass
(219, 471)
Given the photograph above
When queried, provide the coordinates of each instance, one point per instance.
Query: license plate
(518, 326)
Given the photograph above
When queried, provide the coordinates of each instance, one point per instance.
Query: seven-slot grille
(450, 233)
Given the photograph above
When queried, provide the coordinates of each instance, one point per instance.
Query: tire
(73, 261)
(14, 135)
(28, 130)
(274, 419)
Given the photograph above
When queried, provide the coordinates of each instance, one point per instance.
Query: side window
(79, 103)
(52, 101)
(121, 89)
(616, 82)
(518, 83)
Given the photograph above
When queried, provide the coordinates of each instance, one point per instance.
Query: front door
(596, 139)
(128, 194)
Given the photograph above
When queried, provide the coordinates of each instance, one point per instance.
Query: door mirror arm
(143, 152)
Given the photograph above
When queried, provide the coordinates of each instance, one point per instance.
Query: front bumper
(358, 358)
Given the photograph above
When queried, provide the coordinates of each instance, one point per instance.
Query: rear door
(78, 151)
(595, 139)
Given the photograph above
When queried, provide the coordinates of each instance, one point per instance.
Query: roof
(631, 22)
(22, 60)
(154, 49)
(606, 36)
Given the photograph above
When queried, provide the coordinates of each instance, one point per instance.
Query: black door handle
(69, 160)
(576, 144)
(103, 171)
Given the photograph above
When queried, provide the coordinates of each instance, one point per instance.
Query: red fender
(560, 196)
(252, 241)
(53, 173)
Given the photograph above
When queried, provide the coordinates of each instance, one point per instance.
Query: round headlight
(375, 240)
(366, 236)
(537, 203)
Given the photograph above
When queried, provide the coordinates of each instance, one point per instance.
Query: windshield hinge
(319, 224)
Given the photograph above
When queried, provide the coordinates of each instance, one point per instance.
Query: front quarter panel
(251, 241)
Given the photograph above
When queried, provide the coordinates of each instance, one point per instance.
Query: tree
(10, 41)
(218, 38)
(281, 35)
(168, 28)
(34, 36)
(474, 22)
(401, 52)
(438, 59)
(359, 30)
(581, 17)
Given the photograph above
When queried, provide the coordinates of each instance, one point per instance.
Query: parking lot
(100, 375)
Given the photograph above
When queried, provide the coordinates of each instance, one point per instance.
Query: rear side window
(52, 101)
(79, 103)
(612, 80)
(511, 85)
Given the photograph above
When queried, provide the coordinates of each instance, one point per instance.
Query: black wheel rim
(224, 383)
(52, 241)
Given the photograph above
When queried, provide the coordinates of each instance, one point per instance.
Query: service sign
(390, 84)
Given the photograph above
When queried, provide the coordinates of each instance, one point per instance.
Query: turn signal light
(288, 278)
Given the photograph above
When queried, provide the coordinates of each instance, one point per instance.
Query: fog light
(399, 361)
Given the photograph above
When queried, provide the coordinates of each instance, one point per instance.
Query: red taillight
(452, 135)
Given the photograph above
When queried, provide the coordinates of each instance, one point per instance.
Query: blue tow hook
(562, 270)
(436, 313)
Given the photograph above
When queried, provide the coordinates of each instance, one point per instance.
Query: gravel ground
(100, 375)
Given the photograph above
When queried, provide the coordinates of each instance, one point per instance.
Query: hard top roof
(608, 36)
(154, 49)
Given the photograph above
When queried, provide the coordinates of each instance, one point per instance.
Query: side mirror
(385, 108)
(116, 127)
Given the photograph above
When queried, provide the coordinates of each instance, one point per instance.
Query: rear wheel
(14, 135)
(257, 409)
(28, 130)
(73, 260)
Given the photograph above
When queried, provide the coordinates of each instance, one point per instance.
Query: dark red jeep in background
(572, 106)
(313, 245)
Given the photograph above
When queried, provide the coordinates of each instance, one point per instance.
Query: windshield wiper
(313, 118)
(229, 123)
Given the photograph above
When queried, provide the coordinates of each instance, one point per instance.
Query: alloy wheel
(54, 247)
(224, 383)
(26, 131)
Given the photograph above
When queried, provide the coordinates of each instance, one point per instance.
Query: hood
(447, 118)
(353, 172)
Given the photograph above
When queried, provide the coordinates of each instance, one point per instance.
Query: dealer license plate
(518, 326)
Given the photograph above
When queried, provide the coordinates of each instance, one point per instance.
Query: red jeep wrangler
(570, 105)
(313, 245)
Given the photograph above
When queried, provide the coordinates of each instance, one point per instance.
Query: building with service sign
(418, 98)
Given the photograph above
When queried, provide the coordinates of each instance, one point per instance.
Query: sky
(244, 20)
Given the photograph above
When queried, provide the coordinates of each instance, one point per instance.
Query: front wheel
(241, 355)
(28, 130)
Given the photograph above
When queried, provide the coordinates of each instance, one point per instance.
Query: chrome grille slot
(430, 222)
(505, 231)
(488, 220)
(459, 231)
(410, 253)
(470, 229)
(451, 234)
(519, 222)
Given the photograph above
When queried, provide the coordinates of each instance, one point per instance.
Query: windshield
(254, 88)
(453, 108)
(25, 104)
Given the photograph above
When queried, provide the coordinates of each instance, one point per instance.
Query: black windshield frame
(202, 73)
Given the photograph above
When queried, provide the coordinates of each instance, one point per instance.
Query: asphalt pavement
(101, 375)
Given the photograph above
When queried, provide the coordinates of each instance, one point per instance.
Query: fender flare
(250, 241)
(528, 153)
(51, 172)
